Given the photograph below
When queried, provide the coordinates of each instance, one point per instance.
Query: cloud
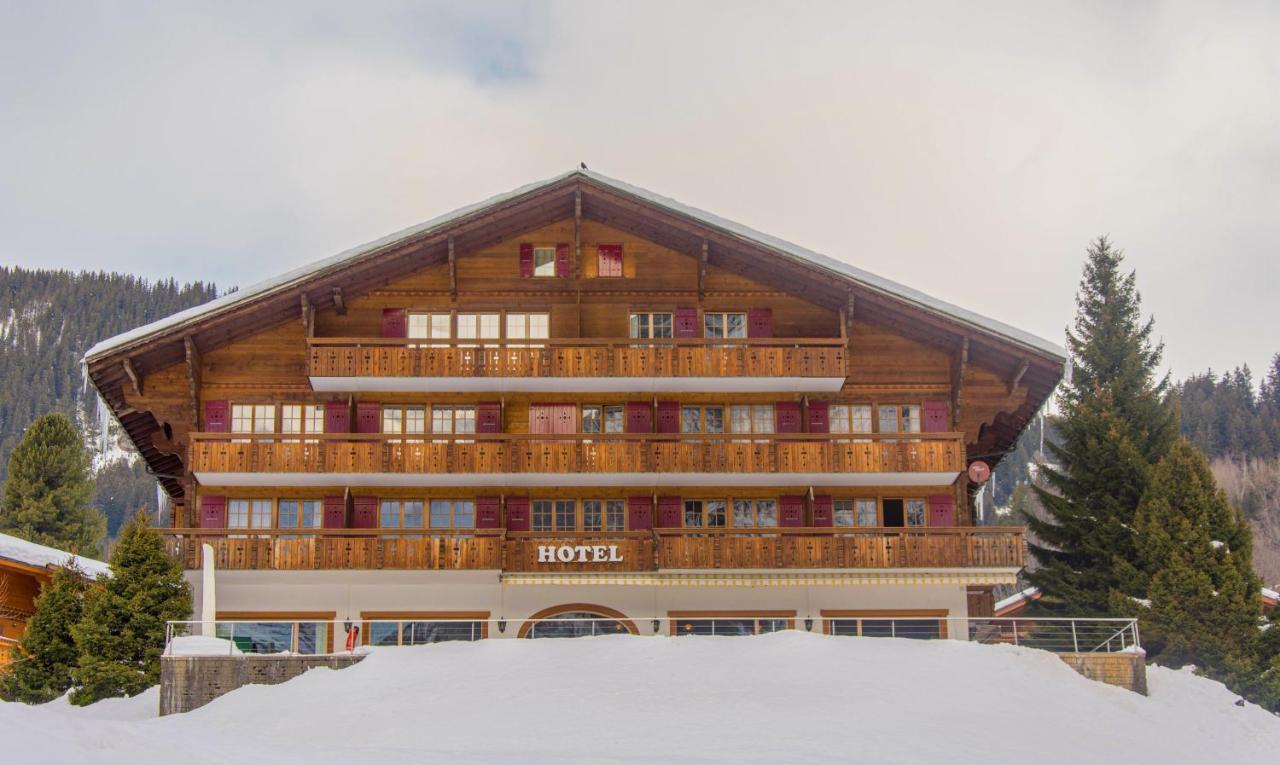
(969, 151)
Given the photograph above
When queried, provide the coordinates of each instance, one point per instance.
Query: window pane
(516, 324)
(843, 512)
(736, 325)
(288, 514)
(888, 419)
(690, 419)
(415, 420)
(762, 418)
(542, 515)
(413, 515)
(392, 419)
(861, 419)
(264, 418)
(915, 512)
(592, 519)
(714, 419)
(238, 514)
(693, 514)
(440, 514)
(910, 419)
(838, 415)
(715, 512)
(867, 513)
(384, 633)
(441, 419)
(639, 325)
(464, 514)
(467, 326)
(241, 418)
(590, 419)
(489, 326)
(291, 418)
(743, 513)
(615, 515)
(713, 324)
(390, 517)
(261, 514)
(544, 261)
(565, 515)
(539, 325)
(312, 514)
(440, 326)
(464, 419)
(662, 325)
(766, 512)
(418, 325)
(613, 419)
(740, 419)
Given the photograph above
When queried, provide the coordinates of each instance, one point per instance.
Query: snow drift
(786, 697)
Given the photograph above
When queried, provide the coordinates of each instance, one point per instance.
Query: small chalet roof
(41, 556)
(837, 268)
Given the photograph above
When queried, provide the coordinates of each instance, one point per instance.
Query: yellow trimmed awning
(763, 579)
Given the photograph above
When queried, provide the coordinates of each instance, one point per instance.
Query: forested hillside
(48, 319)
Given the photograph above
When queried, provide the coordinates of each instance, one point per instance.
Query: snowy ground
(781, 698)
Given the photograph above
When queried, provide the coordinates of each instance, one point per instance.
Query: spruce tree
(46, 654)
(46, 496)
(1112, 427)
(121, 635)
(1195, 556)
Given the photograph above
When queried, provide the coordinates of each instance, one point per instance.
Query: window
(755, 513)
(249, 514)
(903, 512)
(649, 325)
(850, 418)
(573, 624)
(397, 514)
(255, 418)
(915, 512)
(855, 512)
(603, 419)
(277, 637)
(408, 420)
(430, 326)
(554, 515)
(478, 326)
(894, 418)
(729, 625)
(867, 515)
(609, 260)
(453, 419)
(453, 513)
(386, 633)
(889, 419)
(704, 513)
(528, 326)
(720, 324)
(604, 515)
(890, 625)
(301, 418)
(544, 261)
(702, 419)
(751, 418)
(300, 514)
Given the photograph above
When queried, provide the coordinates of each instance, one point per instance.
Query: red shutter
(562, 260)
(368, 417)
(639, 417)
(489, 417)
(364, 512)
(935, 417)
(668, 417)
(822, 510)
(791, 510)
(335, 513)
(670, 512)
(213, 512)
(640, 513)
(786, 415)
(216, 415)
(337, 417)
(488, 513)
(526, 259)
(609, 259)
(819, 419)
(395, 322)
(942, 510)
(760, 322)
(685, 323)
(517, 513)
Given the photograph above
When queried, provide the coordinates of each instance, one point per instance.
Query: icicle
(162, 504)
(104, 424)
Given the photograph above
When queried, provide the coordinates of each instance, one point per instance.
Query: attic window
(544, 261)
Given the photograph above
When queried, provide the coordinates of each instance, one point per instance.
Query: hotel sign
(579, 554)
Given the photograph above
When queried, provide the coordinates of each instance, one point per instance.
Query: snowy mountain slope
(781, 698)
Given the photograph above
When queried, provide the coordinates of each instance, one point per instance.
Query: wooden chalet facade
(580, 398)
(25, 568)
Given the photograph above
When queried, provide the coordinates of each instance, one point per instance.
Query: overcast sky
(968, 150)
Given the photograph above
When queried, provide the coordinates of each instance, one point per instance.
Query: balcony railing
(614, 453)
(687, 549)
(339, 357)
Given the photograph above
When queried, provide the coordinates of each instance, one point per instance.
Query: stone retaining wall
(190, 682)
(1126, 670)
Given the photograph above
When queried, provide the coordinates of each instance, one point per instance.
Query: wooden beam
(134, 380)
(308, 316)
(703, 256)
(193, 377)
(1016, 380)
(339, 304)
(960, 366)
(577, 233)
(453, 271)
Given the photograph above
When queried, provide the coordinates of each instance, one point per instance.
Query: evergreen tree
(1195, 556)
(121, 635)
(46, 497)
(44, 657)
(1112, 427)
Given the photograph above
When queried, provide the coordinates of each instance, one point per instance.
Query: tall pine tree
(46, 496)
(46, 654)
(121, 634)
(1113, 426)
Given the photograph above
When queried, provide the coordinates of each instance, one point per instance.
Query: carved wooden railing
(577, 453)
(792, 548)
(578, 357)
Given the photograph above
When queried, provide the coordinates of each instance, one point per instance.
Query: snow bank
(32, 554)
(782, 698)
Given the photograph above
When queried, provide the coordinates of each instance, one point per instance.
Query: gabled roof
(41, 556)
(837, 268)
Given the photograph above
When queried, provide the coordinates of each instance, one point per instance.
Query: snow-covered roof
(1016, 599)
(42, 556)
(783, 248)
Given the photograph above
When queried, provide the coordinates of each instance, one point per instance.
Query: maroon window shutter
(489, 417)
(526, 259)
(935, 417)
(213, 512)
(668, 417)
(488, 513)
(216, 415)
(685, 323)
(395, 322)
(786, 415)
(517, 513)
(335, 513)
(562, 260)
(760, 322)
(791, 510)
(670, 512)
(819, 417)
(639, 513)
(337, 417)
(364, 512)
(822, 510)
(639, 417)
(609, 260)
(942, 510)
(368, 417)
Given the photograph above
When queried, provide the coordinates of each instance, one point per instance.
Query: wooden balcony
(663, 549)
(575, 459)
(578, 365)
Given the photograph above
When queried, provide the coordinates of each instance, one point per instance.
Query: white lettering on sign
(579, 554)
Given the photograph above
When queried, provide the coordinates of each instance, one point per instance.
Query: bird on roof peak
(583, 165)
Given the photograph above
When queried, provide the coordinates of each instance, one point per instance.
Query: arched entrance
(576, 620)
